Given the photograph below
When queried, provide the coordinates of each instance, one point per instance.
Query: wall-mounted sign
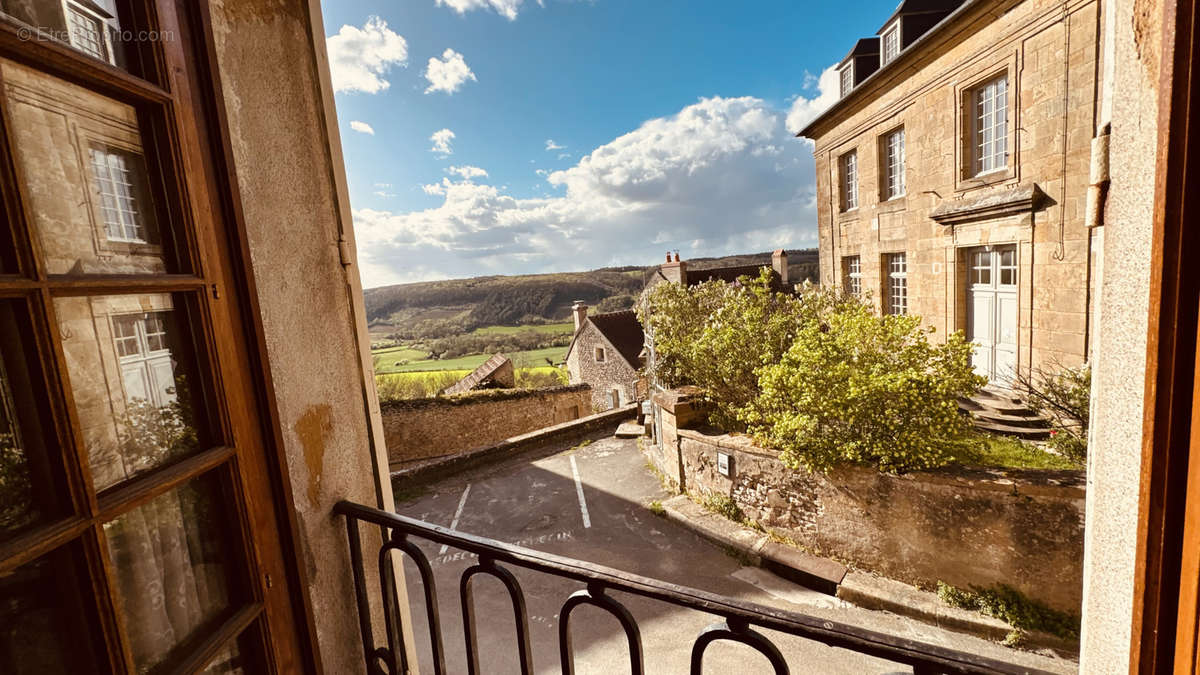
(725, 465)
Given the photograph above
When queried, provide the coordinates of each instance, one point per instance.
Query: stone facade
(594, 360)
(437, 427)
(958, 525)
(1034, 205)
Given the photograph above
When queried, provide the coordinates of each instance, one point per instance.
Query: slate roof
(732, 274)
(624, 331)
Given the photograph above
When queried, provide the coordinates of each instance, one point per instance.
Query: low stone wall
(962, 526)
(426, 428)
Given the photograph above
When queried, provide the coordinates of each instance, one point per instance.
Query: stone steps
(999, 411)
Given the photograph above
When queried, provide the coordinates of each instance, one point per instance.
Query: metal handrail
(738, 617)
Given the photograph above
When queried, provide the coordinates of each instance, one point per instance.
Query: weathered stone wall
(961, 526)
(1049, 51)
(611, 374)
(437, 427)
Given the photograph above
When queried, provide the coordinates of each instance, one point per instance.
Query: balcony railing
(736, 622)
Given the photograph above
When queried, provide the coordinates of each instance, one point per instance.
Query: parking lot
(590, 502)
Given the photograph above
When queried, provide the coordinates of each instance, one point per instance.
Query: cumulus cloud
(360, 57)
(805, 110)
(362, 127)
(467, 172)
(448, 73)
(723, 175)
(506, 8)
(551, 145)
(441, 142)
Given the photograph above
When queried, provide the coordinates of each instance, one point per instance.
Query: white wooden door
(992, 311)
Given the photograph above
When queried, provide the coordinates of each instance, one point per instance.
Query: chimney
(779, 261)
(579, 311)
(675, 271)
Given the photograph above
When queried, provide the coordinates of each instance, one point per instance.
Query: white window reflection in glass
(112, 171)
(847, 76)
(891, 44)
(853, 275)
(88, 33)
(897, 265)
(146, 367)
(991, 126)
(1008, 267)
(894, 164)
(850, 181)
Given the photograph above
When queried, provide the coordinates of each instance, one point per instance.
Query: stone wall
(605, 377)
(1049, 51)
(437, 427)
(961, 526)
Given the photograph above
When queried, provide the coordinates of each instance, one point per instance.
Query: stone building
(952, 175)
(606, 353)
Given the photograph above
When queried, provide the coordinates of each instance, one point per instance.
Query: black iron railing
(737, 619)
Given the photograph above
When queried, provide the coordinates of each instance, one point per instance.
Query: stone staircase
(1000, 411)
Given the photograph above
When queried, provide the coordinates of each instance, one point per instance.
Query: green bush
(1064, 395)
(817, 374)
(1012, 607)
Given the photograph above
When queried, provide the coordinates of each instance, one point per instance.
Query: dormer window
(891, 43)
(847, 75)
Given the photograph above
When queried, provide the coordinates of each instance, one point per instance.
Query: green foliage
(152, 436)
(16, 490)
(540, 378)
(1064, 395)
(723, 505)
(402, 386)
(656, 507)
(817, 374)
(615, 303)
(1014, 608)
(1017, 454)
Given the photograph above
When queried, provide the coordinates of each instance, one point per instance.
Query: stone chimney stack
(779, 261)
(674, 270)
(579, 311)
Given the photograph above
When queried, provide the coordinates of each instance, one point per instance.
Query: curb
(858, 588)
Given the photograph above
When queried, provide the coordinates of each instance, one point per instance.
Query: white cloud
(724, 175)
(564, 155)
(467, 172)
(383, 186)
(506, 8)
(551, 145)
(384, 193)
(441, 142)
(805, 110)
(447, 74)
(362, 127)
(360, 57)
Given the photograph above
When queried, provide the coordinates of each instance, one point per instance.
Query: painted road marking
(457, 514)
(587, 522)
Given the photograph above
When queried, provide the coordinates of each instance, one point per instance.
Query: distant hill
(438, 308)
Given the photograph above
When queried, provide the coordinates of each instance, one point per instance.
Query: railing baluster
(432, 614)
(360, 597)
(488, 566)
(397, 656)
(736, 631)
(594, 595)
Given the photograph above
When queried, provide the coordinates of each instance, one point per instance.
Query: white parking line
(457, 514)
(587, 522)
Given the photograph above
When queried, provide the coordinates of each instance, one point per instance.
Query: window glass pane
(91, 26)
(133, 381)
(173, 567)
(41, 627)
(29, 494)
(86, 177)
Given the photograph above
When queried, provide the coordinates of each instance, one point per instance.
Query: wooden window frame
(174, 86)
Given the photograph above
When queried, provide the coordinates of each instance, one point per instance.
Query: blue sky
(670, 123)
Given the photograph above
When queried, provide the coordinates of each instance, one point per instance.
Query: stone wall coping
(477, 397)
(1059, 482)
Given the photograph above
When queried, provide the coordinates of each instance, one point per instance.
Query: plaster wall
(284, 157)
(1133, 28)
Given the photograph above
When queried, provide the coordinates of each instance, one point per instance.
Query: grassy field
(564, 328)
(529, 359)
(420, 384)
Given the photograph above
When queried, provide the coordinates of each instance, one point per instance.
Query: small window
(88, 33)
(893, 165)
(981, 268)
(118, 176)
(891, 43)
(989, 126)
(847, 75)
(1008, 267)
(897, 271)
(849, 162)
(852, 268)
(599, 355)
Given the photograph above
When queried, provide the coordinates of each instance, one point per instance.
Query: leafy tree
(1064, 395)
(816, 374)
